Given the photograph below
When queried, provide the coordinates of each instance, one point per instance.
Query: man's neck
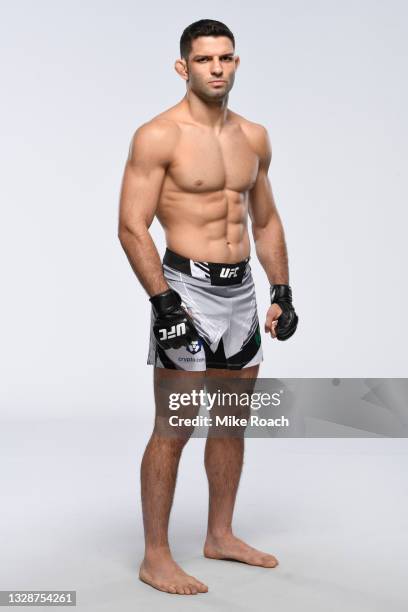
(212, 114)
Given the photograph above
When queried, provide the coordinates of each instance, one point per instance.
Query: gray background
(327, 80)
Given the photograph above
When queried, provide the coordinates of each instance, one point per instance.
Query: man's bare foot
(163, 573)
(232, 548)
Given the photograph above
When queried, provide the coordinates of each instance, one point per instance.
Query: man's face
(211, 67)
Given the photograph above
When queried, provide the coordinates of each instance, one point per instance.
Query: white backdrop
(79, 77)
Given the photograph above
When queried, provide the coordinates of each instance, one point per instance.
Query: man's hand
(173, 326)
(281, 295)
(274, 312)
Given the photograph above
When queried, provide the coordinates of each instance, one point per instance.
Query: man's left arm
(270, 245)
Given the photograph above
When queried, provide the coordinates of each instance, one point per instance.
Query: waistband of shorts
(215, 273)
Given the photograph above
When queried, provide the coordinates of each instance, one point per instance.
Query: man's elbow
(269, 225)
(123, 233)
(258, 231)
(127, 233)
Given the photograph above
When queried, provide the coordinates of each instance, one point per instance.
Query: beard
(204, 91)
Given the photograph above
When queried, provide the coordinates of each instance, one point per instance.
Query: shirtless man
(201, 169)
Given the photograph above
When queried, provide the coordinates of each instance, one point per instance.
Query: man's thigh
(177, 395)
(230, 387)
(250, 372)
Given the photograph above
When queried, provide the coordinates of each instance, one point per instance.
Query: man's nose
(216, 67)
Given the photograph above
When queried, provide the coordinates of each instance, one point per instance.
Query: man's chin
(212, 95)
(218, 94)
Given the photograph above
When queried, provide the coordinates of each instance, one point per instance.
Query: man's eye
(202, 59)
(227, 59)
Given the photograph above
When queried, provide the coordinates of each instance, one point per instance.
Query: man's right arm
(149, 156)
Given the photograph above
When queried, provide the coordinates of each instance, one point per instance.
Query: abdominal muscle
(209, 227)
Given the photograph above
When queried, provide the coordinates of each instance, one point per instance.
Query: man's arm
(149, 156)
(281, 318)
(267, 227)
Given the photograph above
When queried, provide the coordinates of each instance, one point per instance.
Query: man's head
(207, 61)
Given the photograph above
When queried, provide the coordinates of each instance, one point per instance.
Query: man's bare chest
(203, 162)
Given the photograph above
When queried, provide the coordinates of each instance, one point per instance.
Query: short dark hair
(204, 27)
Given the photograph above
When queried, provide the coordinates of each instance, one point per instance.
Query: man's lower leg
(158, 481)
(223, 463)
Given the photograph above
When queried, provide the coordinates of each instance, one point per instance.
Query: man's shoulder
(255, 129)
(157, 128)
(256, 133)
(156, 138)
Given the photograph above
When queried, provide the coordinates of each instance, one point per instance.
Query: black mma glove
(173, 326)
(288, 320)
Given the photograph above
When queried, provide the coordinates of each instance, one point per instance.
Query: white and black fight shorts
(221, 300)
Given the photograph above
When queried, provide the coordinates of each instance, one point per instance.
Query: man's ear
(180, 67)
(237, 62)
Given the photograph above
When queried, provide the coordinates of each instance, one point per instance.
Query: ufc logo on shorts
(175, 330)
(229, 272)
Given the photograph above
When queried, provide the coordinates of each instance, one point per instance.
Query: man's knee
(169, 439)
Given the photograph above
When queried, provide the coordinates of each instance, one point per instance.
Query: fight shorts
(221, 300)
